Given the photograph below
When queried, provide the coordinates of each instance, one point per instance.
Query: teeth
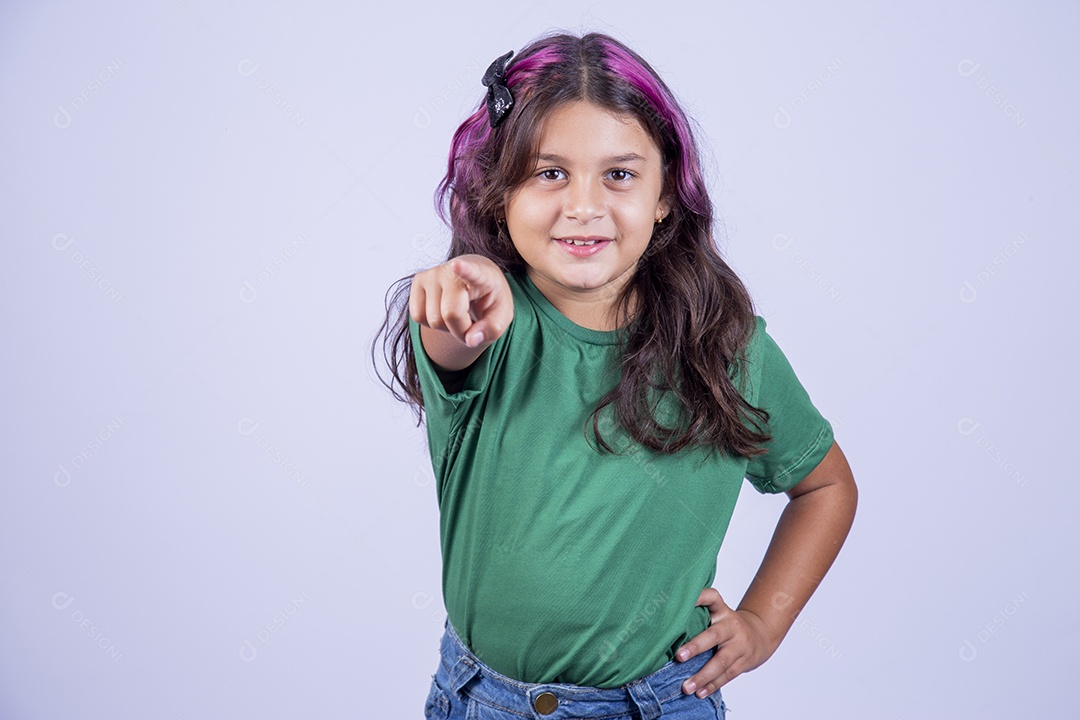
(580, 242)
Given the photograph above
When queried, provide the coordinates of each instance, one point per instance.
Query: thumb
(711, 599)
(491, 304)
(474, 338)
(491, 322)
(710, 596)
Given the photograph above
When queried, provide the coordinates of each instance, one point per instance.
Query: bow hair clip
(499, 99)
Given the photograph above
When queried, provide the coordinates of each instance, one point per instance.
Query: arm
(807, 539)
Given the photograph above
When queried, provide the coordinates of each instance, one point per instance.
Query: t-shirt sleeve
(447, 412)
(801, 435)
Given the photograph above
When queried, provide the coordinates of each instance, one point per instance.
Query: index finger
(468, 270)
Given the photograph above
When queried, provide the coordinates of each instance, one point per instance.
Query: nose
(584, 200)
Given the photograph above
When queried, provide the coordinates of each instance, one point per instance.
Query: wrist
(769, 636)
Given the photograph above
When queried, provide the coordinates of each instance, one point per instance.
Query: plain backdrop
(211, 508)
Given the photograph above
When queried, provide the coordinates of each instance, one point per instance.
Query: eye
(623, 171)
(545, 174)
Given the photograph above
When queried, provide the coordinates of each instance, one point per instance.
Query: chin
(590, 282)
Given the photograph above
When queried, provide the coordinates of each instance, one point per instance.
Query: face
(597, 178)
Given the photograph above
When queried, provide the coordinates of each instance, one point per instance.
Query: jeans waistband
(572, 701)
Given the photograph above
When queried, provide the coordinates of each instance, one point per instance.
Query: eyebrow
(624, 158)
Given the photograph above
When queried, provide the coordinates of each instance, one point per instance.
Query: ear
(662, 210)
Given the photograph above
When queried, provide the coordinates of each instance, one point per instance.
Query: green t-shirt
(562, 564)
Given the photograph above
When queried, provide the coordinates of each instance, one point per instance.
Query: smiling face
(597, 178)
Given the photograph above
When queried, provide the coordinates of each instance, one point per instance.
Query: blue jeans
(464, 688)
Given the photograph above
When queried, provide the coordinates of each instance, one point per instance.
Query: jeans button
(546, 703)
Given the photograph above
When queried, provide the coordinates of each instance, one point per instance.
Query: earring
(659, 219)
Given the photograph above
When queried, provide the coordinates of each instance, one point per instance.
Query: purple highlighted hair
(695, 317)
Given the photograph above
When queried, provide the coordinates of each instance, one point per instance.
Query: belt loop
(463, 671)
(642, 694)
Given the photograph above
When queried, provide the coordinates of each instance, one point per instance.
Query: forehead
(584, 132)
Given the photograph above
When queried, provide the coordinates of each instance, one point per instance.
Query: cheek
(533, 214)
(638, 214)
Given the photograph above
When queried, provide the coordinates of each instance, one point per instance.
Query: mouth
(583, 241)
(582, 247)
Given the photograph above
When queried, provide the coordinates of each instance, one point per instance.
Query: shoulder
(755, 338)
(745, 372)
(525, 309)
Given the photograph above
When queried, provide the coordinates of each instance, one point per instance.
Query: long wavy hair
(695, 316)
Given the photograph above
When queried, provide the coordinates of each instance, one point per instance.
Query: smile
(583, 246)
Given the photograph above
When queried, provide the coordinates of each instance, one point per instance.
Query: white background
(209, 506)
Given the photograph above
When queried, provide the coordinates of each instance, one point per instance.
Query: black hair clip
(499, 99)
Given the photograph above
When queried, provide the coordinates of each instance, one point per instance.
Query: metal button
(546, 703)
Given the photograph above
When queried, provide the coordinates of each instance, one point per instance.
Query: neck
(594, 309)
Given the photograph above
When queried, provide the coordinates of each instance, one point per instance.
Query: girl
(596, 386)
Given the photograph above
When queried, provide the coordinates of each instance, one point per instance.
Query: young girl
(596, 386)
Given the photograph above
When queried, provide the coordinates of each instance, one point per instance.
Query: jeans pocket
(437, 706)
